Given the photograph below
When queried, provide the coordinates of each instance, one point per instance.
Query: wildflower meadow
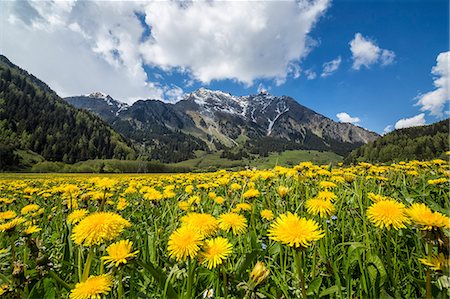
(310, 231)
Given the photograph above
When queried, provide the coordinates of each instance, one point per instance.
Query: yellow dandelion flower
(189, 189)
(184, 205)
(377, 197)
(215, 251)
(153, 195)
(437, 262)
(327, 185)
(243, 207)
(219, 199)
(426, 218)
(317, 206)
(184, 242)
(326, 195)
(194, 199)
(437, 181)
(93, 288)
(282, 191)
(7, 215)
(4, 288)
(212, 195)
(232, 221)
(76, 216)
(99, 227)
(259, 273)
(235, 187)
(251, 193)
(29, 208)
(206, 224)
(267, 214)
(10, 225)
(388, 213)
(32, 229)
(119, 253)
(294, 231)
(121, 204)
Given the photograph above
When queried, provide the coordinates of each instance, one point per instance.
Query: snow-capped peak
(98, 95)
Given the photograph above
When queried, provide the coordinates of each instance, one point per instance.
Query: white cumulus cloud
(239, 40)
(81, 46)
(365, 52)
(346, 118)
(435, 101)
(330, 67)
(418, 120)
(78, 46)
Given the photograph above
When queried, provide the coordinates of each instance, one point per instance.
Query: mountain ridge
(217, 120)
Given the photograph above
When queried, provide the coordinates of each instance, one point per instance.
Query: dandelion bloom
(121, 204)
(93, 288)
(32, 229)
(259, 273)
(76, 216)
(282, 191)
(7, 215)
(317, 206)
(235, 186)
(294, 231)
(376, 197)
(215, 251)
(184, 242)
(119, 253)
(267, 214)
(425, 217)
(242, 207)
(251, 193)
(10, 225)
(436, 263)
(99, 227)
(327, 185)
(438, 181)
(326, 195)
(388, 213)
(219, 200)
(237, 223)
(29, 208)
(184, 205)
(205, 223)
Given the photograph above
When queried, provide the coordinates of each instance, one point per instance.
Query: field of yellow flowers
(304, 232)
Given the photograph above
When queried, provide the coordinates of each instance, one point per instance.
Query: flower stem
(87, 265)
(298, 257)
(120, 285)
(428, 273)
(225, 283)
(191, 268)
(59, 280)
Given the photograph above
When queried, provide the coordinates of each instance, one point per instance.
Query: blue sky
(373, 63)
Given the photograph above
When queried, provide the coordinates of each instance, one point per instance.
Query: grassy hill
(416, 143)
(35, 121)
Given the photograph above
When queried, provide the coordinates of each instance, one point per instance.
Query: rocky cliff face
(215, 119)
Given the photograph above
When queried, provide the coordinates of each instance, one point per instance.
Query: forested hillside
(416, 143)
(33, 117)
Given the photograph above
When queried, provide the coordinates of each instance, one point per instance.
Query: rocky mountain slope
(214, 120)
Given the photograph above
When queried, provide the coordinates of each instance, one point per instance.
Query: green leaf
(330, 290)
(245, 263)
(160, 277)
(314, 286)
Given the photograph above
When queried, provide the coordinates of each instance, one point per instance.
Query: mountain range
(214, 120)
